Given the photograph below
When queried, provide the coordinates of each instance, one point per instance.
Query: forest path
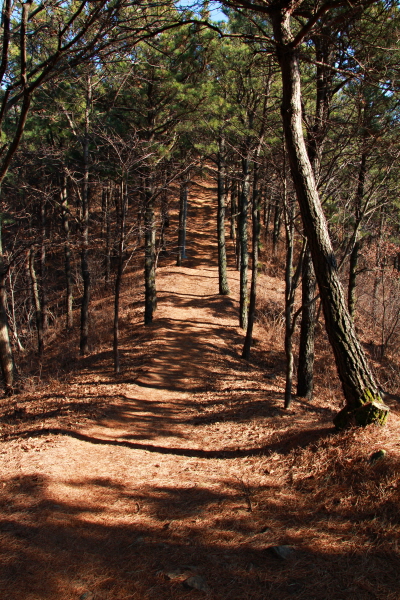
(161, 478)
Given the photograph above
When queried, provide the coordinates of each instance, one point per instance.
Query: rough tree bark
(359, 387)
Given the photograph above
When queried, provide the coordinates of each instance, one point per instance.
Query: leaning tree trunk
(360, 389)
(222, 274)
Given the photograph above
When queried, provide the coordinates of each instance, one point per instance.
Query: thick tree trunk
(150, 302)
(222, 266)
(305, 370)
(359, 387)
(255, 246)
(243, 237)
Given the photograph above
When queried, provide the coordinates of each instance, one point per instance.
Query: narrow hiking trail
(172, 480)
(106, 506)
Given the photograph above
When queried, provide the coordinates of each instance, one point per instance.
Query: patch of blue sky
(215, 8)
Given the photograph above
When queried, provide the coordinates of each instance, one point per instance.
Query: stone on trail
(377, 456)
(282, 552)
(196, 582)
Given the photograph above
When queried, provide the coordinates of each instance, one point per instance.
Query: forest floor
(184, 477)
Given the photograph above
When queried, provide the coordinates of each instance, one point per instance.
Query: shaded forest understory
(179, 477)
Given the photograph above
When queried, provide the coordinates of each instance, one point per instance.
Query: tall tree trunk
(6, 355)
(315, 140)
(107, 197)
(289, 298)
(255, 246)
(183, 201)
(36, 300)
(277, 228)
(243, 237)
(305, 369)
(84, 339)
(351, 292)
(67, 254)
(359, 387)
(222, 274)
(233, 215)
(43, 282)
(118, 278)
(150, 302)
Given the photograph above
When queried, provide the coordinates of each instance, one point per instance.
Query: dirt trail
(185, 470)
(102, 508)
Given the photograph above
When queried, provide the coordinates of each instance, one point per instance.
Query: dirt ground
(178, 478)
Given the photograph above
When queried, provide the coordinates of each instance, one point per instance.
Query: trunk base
(371, 410)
